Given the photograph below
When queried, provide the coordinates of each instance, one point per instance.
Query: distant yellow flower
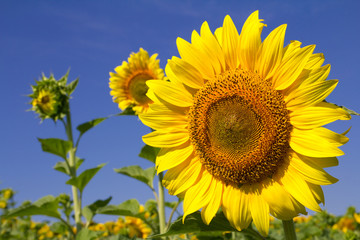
(345, 224)
(302, 219)
(8, 193)
(128, 83)
(3, 204)
(137, 227)
(357, 217)
(240, 122)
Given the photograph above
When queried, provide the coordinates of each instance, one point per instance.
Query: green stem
(72, 164)
(289, 229)
(161, 205)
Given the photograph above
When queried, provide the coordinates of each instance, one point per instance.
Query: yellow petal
(213, 44)
(310, 94)
(315, 61)
(162, 120)
(250, 41)
(236, 207)
(260, 213)
(317, 193)
(230, 38)
(185, 73)
(321, 162)
(215, 194)
(311, 172)
(270, 52)
(183, 176)
(299, 189)
(279, 201)
(168, 92)
(218, 35)
(311, 143)
(194, 57)
(202, 45)
(166, 139)
(170, 157)
(291, 67)
(196, 196)
(317, 115)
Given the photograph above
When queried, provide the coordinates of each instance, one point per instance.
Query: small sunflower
(45, 101)
(240, 125)
(128, 83)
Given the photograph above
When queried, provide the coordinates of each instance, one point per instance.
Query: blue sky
(93, 37)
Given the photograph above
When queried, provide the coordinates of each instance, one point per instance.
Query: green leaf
(59, 227)
(146, 176)
(128, 208)
(55, 146)
(82, 128)
(86, 234)
(90, 210)
(83, 179)
(64, 168)
(193, 223)
(70, 88)
(47, 206)
(149, 153)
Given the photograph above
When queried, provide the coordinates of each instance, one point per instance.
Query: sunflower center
(138, 88)
(240, 128)
(45, 99)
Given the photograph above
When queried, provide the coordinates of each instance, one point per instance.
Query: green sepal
(46, 206)
(90, 210)
(349, 111)
(128, 208)
(146, 176)
(128, 111)
(64, 168)
(70, 88)
(84, 178)
(149, 153)
(55, 146)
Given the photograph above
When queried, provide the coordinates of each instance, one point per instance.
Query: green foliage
(84, 178)
(193, 223)
(149, 153)
(128, 208)
(146, 176)
(82, 128)
(86, 234)
(47, 206)
(64, 167)
(128, 111)
(55, 146)
(90, 210)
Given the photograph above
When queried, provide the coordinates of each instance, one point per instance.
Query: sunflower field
(237, 135)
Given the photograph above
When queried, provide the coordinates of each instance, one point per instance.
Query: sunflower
(137, 227)
(128, 83)
(240, 125)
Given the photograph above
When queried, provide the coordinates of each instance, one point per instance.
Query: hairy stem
(72, 165)
(161, 205)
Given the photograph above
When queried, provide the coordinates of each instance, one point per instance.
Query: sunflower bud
(50, 97)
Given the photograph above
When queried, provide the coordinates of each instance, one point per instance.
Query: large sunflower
(240, 125)
(128, 83)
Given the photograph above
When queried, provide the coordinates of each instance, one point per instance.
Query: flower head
(136, 227)
(128, 83)
(240, 125)
(50, 97)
